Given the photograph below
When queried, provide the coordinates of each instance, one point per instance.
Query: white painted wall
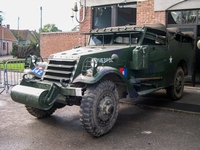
(187, 4)
(159, 5)
(106, 2)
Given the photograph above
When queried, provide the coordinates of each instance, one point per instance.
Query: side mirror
(198, 44)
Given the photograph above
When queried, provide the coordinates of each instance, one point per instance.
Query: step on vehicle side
(118, 61)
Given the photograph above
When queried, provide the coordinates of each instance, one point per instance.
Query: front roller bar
(35, 97)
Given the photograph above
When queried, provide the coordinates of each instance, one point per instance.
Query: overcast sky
(28, 11)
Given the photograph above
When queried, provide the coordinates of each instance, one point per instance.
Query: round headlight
(30, 61)
(94, 62)
(34, 59)
(198, 44)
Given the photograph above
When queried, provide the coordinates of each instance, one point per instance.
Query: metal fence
(11, 73)
(2, 85)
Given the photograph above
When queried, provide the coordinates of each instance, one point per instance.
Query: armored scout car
(117, 62)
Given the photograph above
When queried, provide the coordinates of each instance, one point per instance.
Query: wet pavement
(189, 103)
(150, 123)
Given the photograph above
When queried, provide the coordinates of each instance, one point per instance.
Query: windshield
(114, 39)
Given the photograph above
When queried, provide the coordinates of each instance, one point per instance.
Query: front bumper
(41, 95)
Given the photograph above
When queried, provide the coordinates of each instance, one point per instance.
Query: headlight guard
(89, 67)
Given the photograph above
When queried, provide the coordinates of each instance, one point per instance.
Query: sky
(53, 12)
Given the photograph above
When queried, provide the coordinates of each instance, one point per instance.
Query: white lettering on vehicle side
(104, 60)
(170, 59)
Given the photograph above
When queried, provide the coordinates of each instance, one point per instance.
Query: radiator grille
(59, 69)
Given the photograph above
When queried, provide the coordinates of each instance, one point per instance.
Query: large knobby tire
(39, 113)
(175, 92)
(99, 108)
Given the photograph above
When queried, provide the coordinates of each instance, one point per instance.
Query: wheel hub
(178, 84)
(105, 109)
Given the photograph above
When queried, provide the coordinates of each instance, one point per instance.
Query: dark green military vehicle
(117, 62)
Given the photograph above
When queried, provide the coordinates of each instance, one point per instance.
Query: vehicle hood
(81, 51)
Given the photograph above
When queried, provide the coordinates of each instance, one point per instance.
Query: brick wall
(57, 42)
(86, 25)
(146, 14)
(60, 41)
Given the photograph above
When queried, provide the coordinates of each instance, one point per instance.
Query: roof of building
(25, 35)
(7, 34)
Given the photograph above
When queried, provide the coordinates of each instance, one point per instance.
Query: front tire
(39, 113)
(99, 108)
(175, 92)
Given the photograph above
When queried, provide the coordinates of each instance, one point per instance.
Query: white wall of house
(7, 48)
(0, 47)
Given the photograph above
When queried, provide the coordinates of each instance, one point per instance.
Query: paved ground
(138, 127)
(190, 103)
(5, 57)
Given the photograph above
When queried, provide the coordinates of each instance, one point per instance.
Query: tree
(1, 17)
(50, 28)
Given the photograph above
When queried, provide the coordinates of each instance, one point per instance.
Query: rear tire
(99, 108)
(39, 113)
(175, 92)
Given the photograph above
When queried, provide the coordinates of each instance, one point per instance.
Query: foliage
(22, 51)
(50, 28)
(1, 17)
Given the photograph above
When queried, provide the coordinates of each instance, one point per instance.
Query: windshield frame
(113, 37)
